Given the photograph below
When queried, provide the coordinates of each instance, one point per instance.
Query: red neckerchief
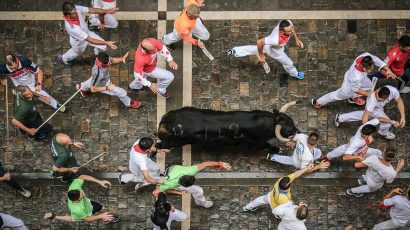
(139, 150)
(367, 140)
(283, 38)
(100, 64)
(358, 66)
(75, 21)
(108, 0)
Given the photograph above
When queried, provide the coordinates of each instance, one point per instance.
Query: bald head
(147, 45)
(63, 139)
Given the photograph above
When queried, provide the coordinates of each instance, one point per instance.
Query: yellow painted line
(225, 15)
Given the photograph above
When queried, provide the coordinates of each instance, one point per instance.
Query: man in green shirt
(180, 179)
(82, 208)
(26, 116)
(65, 165)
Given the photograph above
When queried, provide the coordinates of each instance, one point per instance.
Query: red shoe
(165, 95)
(135, 104)
(83, 93)
(356, 100)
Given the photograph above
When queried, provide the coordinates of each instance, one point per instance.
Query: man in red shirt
(146, 66)
(398, 61)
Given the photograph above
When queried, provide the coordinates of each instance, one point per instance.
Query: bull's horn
(286, 106)
(278, 135)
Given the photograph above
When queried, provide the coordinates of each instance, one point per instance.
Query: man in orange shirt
(188, 22)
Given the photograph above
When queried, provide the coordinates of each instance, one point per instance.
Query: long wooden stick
(86, 163)
(206, 52)
(374, 82)
(52, 115)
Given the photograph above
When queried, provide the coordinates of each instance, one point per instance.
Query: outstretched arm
(218, 164)
(302, 171)
(103, 183)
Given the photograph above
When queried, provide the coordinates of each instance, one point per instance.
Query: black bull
(256, 128)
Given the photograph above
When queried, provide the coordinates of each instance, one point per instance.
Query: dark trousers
(12, 182)
(68, 176)
(43, 131)
(403, 77)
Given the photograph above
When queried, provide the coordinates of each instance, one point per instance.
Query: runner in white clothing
(80, 35)
(400, 209)
(164, 213)
(355, 82)
(357, 149)
(379, 171)
(103, 21)
(305, 152)
(292, 216)
(274, 46)
(144, 171)
(374, 109)
(23, 71)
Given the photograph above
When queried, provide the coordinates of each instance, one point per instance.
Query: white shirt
(287, 212)
(357, 143)
(176, 215)
(273, 39)
(377, 172)
(353, 78)
(138, 161)
(400, 212)
(372, 104)
(104, 5)
(78, 33)
(302, 155)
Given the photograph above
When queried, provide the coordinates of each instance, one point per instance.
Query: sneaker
(83, 93)
(138, 186)
(119, 178)
(64, 180)
(24, 192)
(269, 157)
(349, 192)
(49, 216)
(41, 136)
(300, 75)
(337, 123)
(389, 135)
(165, 95)
(244, 209)
(14, 92)
(361, 181)
(315, 104)
(356, 100)
(135, 104)
(229, 52)
(61, 108)
(207, 204)
(67, 63)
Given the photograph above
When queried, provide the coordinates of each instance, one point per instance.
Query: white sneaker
(337, 123)
(139, 185)
(207, 204)
(24, 192)
(389, 135)
(244, 209)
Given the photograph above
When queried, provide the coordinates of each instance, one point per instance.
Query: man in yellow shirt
(188, 22)
(280, 193)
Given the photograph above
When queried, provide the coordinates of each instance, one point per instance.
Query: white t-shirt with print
(302, 155)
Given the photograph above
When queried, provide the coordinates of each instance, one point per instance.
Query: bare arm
(302, 171)
(40, 76)
(260, 44)
(148, 178)
(391, 193)
(20, 125)
(206, 164)
(350, 157)
(363, 92)
(101, 11)
(63, 170)
(365, 117)
(322, 165)
(122, 59)
(400, 105)
(103, 183)
(298, 41)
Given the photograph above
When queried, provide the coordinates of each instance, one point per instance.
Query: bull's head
(285, 127)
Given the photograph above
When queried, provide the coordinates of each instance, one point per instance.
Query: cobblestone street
(103, 124)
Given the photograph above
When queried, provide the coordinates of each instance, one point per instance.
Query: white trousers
(176, 215)
(53, 102)
(199, 30)
(163, 76)
(262, 200)
(109, 20)
(196, 192)
(78, 47)
(389, 224)
(339, 151)
(137, 176)
(343, 95)
(117, 91)
(286, 160)
(369, 187)
(12, 222)
(277, 54)
(357, 116)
